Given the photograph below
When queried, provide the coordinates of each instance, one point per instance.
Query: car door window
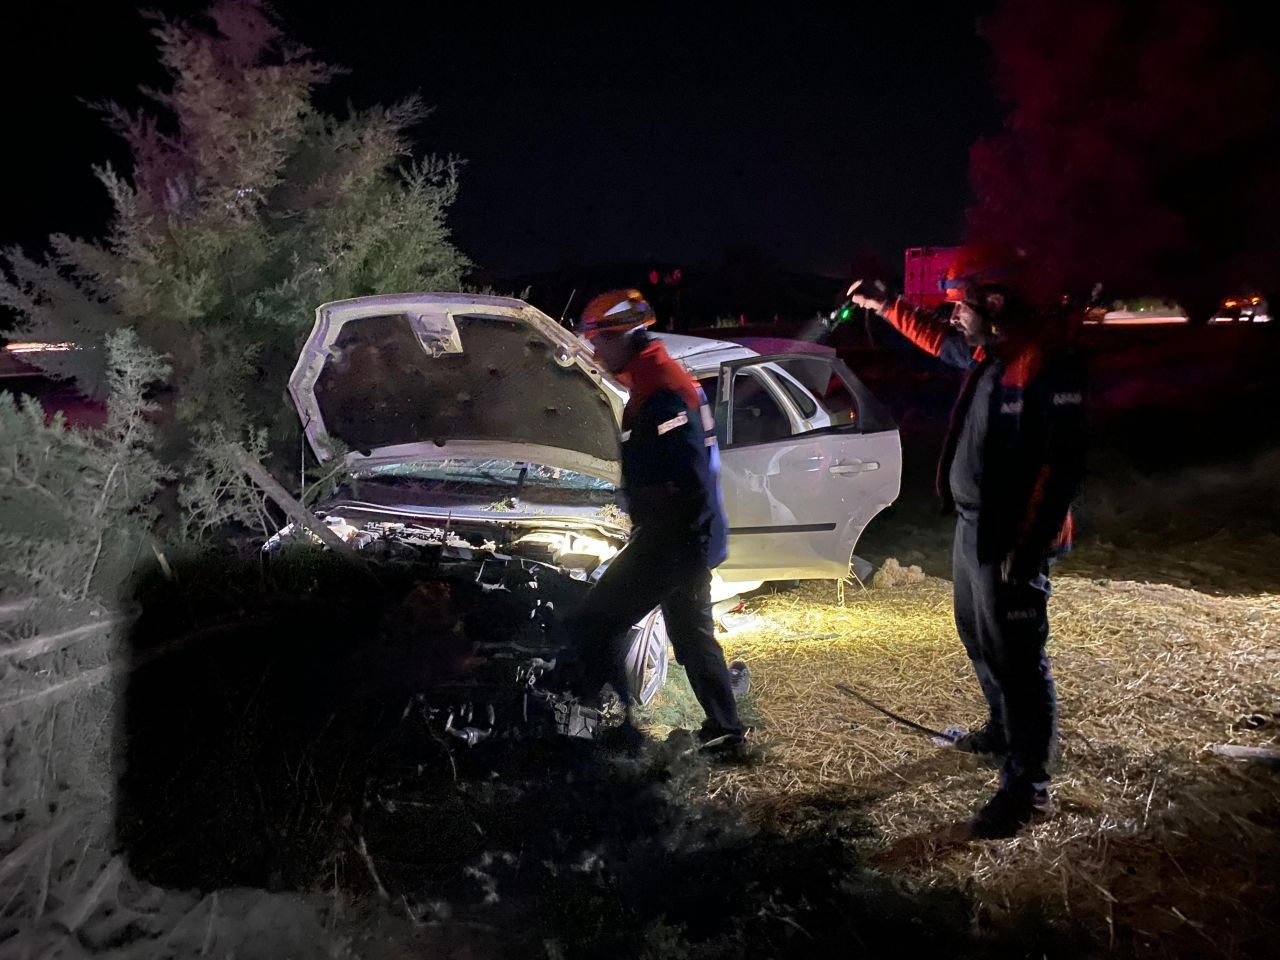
(799, 396)
(757, 415)
(827, 385)
(843, 403)
(840, 404)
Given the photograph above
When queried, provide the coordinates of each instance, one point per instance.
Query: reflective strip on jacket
(670, 460)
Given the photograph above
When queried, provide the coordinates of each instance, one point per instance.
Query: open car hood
(419, 376)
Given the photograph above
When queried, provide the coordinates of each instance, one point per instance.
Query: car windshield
(507, 473)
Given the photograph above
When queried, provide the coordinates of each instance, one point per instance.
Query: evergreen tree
(244, 208)
(76, 505)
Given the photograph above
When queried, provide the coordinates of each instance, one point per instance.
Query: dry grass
(1158, 846)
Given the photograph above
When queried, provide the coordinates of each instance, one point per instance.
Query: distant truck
(924, 269)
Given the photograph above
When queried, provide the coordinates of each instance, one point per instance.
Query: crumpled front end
(487, 611)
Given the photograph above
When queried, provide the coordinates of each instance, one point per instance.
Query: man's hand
(869, 294)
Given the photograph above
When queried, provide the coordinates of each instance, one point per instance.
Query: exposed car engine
(487, 615)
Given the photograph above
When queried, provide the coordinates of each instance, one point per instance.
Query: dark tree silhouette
(1140, 148)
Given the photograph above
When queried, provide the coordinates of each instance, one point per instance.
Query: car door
(807, 460)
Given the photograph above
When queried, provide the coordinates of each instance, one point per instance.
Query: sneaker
(988, 740)
(739, 679)
(1013, 807)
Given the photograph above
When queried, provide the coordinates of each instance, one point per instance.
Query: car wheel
(646, 661)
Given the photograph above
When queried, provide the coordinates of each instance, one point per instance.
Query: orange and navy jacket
(1033, 453)
(670, 461)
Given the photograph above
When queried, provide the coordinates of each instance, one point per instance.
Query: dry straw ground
(1159, 846)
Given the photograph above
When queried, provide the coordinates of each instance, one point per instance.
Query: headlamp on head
(615, 311)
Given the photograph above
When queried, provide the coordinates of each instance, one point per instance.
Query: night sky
(662, 132)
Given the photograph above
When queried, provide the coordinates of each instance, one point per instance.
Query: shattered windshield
(513, 473)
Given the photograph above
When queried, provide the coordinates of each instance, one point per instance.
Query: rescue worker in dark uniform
(671, 488)
(1011, 465)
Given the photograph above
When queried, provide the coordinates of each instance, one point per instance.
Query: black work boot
(988, 740)
(1014, 806)
(718, 744)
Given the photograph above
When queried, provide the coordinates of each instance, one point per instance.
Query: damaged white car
(479, 425)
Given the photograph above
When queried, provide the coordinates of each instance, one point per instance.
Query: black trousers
(656, 568)
(1004, 627)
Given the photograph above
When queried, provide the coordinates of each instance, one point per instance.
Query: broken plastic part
(469, 735)
(575, 720)
(437, 335)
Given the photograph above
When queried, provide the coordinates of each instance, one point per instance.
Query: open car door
(808, 458)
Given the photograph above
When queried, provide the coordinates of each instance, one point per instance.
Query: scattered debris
(732, 623)
(292, 508)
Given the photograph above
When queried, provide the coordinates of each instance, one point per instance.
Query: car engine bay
(486, 611)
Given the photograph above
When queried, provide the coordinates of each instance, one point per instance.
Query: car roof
(703, 353)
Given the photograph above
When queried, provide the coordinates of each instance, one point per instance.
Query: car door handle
(854, 466)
